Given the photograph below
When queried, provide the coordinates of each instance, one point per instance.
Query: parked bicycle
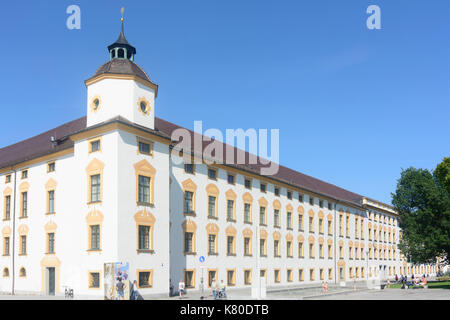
(68, 293)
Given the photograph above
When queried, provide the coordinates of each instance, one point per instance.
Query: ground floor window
(231, 278)
(289, 275)
(189, 279)
(211, 277)
(145, 279)
(276, 274)
(94, 280)
(247, 277)
(301, 275)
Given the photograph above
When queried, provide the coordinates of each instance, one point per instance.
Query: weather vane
(122, 11)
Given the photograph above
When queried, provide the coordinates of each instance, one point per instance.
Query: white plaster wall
(126, 196)
(120, 98)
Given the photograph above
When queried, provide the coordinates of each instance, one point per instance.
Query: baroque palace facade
(103, 189)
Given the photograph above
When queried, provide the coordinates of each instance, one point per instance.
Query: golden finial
(122, 11)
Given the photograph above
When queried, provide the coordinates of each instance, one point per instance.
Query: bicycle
(68, 293)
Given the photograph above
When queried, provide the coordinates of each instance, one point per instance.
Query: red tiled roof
(41, 145)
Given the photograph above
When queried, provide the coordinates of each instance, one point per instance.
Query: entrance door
(51, 281)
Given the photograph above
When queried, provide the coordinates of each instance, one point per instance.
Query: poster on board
(117, 284)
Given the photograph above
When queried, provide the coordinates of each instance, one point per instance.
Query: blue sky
(353, 105)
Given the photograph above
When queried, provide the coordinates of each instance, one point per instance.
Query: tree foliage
(422, 200)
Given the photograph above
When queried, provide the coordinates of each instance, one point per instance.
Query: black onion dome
(122, 66)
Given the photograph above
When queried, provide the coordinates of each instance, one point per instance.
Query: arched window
(113, 53)
(121, 53)
(23, 272)
(6, 272)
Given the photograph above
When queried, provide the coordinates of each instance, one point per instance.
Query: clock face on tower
(144, 106)
(95, 103)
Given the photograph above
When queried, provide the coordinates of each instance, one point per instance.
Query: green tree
(423, 203)
(442, 174)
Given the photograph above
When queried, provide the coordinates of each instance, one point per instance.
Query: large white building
(103, 189)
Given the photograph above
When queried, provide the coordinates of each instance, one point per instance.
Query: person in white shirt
(181, 288)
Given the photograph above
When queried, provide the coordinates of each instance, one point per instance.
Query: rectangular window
(211, 277)
(189, 279)
(330, 251)
(289, 195)
(144, 237)
(263, 187)
(311, 250)
(289, 275)
(24, 204)
(189, 168)
(230, 245)
(95, 188)
(230, 278)
(51, 167)
(311, 274)
(277, 191)
(321, 274)
(276, 248)
(144, 279)
(94, 280)
(330, 206)
(6, 246)
(320, 225)
(247, 277)
(188, 244)
(95, 146)
(311, 224)
(277, 275)
(144, 190)
(211, 207)
(276, 217)
(321, 251)
(230, 178)
(23, 242)
(321, 203)
(262, 247)
(300, 222)
(262, 215)
(247, 212)
(330, 274)
(311, 200)
(300, 275)
(24, 174)
(51, 201)
(247, 246)
(289, 220)
(51, 242)
(248, 183)
(300, 250)
(212, 174)
(8, 178)
(289, 249)
(95, 237)
(188, 204)
(7, 207)
(330, 228)
(144, 147)
(212, 244)
(230, 210)
(300, 198)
